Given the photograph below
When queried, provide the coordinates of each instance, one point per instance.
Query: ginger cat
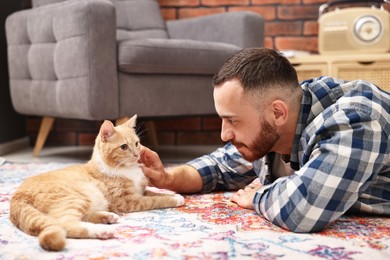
(76, 201)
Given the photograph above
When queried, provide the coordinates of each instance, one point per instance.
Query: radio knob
(368, 29)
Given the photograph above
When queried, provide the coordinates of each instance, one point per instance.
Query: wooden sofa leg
(44, 129)
(149, 125)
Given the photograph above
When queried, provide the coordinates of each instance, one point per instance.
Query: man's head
(257, 95)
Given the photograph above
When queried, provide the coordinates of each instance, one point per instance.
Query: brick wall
(290, 24)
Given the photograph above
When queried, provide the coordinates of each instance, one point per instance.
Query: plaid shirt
(341, 158)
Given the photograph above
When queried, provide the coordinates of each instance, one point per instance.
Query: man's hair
(258, 69)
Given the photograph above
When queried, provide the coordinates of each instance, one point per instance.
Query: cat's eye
(136, 144)
(124, 147)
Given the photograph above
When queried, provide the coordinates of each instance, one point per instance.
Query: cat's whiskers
(138, 127)
(140, 131)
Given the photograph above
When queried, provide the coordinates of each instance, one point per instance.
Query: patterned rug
(208, 227)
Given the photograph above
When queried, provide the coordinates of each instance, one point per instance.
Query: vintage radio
(354, 30)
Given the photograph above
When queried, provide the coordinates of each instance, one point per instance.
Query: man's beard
(262, 144)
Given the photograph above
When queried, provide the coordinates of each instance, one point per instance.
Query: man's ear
(280, 112)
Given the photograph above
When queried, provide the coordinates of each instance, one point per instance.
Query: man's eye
(124, 147)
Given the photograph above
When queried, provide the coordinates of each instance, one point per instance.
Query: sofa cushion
(173, 56)
(38, 3)
(134, 18)
(139, 19)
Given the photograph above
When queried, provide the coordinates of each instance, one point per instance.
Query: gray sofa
(110, 59)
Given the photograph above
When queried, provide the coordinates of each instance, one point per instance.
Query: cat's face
(118, 146)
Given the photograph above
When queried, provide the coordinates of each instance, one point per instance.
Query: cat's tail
(51, 235)
(52, 238)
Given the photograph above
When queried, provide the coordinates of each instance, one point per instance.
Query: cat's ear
(106, 130)
(132, 122)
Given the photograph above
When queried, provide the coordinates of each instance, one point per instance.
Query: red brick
(211, 123)
(224, 2)
(283, 28)
(264, 2)
(169, 13)
(59, 139)
(297, 12)
(179, 3)
(179, 124)
(268, 12)
(314, 1)
(195, 12)
(33, 123)
(297, 43)
(310, 28)
(269, 42)
(86, 139)
(199, 138)
(164, 138)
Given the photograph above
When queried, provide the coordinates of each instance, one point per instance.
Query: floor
(80, 154)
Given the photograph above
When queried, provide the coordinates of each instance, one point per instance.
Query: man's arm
(223, 169)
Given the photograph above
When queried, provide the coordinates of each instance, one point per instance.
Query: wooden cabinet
(310, 70)
(378, 72)
(371, 67)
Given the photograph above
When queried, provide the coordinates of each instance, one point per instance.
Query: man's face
(242, 123)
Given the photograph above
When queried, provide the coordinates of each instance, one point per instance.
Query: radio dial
(368, 29)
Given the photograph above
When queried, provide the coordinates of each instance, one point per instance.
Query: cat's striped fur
(79, 201)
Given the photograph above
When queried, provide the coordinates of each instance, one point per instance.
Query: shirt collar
(301, 124)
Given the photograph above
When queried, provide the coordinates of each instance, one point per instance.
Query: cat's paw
(102, 232)
(179, 200)
(106, 235)
(102, 217)
(110, 218)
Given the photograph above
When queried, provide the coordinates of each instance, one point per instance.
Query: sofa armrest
(62, 60)
(244, 29)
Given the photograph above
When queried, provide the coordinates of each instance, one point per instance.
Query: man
(335, 134)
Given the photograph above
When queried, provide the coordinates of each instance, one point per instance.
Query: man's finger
(151, 174)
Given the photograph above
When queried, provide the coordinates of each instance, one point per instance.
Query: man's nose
(226, 133)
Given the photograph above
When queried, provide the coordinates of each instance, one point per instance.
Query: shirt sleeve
(224, 169)
(339, 161)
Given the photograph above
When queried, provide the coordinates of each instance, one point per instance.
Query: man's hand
(153, 168)
(182, 178)
(244, 197)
